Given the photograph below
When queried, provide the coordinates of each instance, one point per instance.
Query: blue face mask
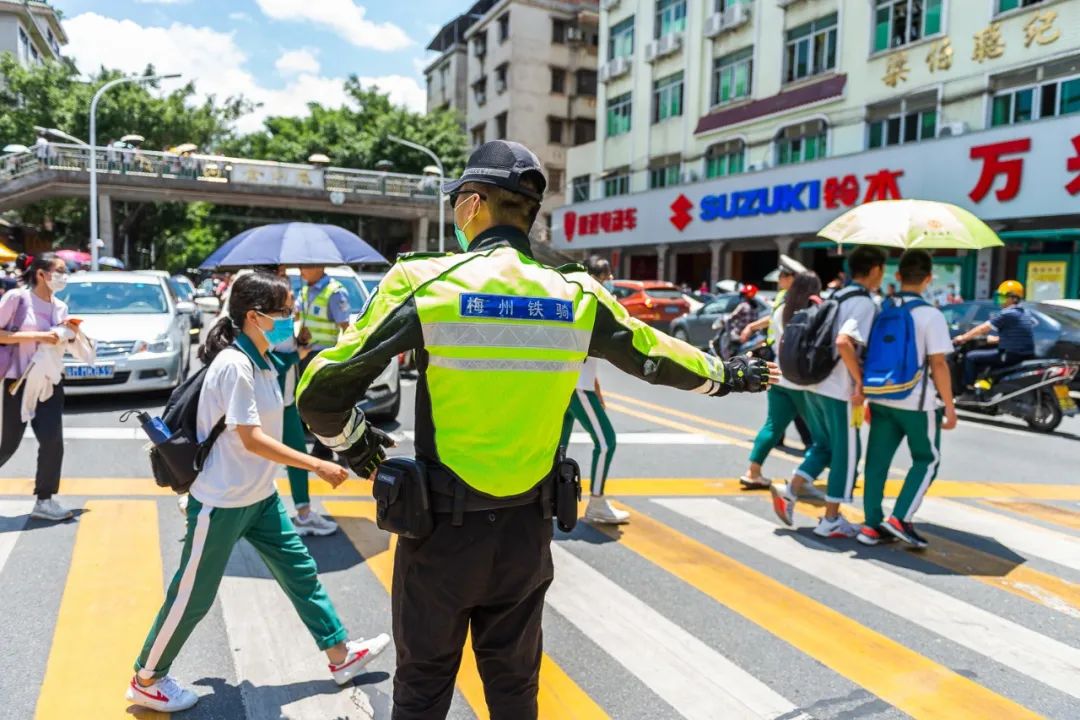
(281, 333)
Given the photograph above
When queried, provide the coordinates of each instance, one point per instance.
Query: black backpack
(179, 460)
(808, 345)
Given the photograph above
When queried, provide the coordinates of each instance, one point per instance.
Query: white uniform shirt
(587, 379)
(931, 338)
(854, 318)
(245, 395)
(777, 322)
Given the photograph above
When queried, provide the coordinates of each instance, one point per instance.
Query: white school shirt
(245, 395)
(854, 318)
(587, 379)
(931, 338)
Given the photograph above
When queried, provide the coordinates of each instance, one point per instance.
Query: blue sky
(282, 53)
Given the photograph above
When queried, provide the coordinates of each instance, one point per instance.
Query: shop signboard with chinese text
(295, 176)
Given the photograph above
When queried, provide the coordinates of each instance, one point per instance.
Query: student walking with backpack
(787, 401)
(907, 351)
(821, 351)
(234, 497)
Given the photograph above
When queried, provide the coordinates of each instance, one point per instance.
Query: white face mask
(57, 281)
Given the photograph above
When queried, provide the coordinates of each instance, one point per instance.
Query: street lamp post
(93, 155)
(442, 177)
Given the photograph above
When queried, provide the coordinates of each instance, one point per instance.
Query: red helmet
(748, 291)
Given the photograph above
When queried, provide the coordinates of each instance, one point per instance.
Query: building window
(899, 22)
(558, 81)
(23, 46)
(558, 31)
(670, 17)
(580, 186)
(480, 91)
(720, 6)
(585, 83)
(478, 135)
(504, 27)
(618, 115)
(1007, 5)
(617, 185)
(725, 159)
(810, 49)
(1058, 97)
(731, 76)
(668, 97)
(555, 130)
(500, 126)
(801, 143)
(664, 176)
(621, 39)
(555, 179)
(502, 74)
(480, 44)
(906, 121)
(584, 131)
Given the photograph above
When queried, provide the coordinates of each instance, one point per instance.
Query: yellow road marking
(684, 415)
(1047, 513)
(113, 590)
(899, 676)
(560, 698)
(1039, 587)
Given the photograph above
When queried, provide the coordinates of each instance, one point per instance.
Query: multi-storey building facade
(730, 130)
(531, 77)
(447, 75)
(30, 31)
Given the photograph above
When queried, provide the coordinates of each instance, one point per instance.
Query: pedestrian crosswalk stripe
(113, 590)
(899, 676)
(675, 425)
(559, 698)
(1047, 590)
(1025, 538)
(283, 673)
(1047, 513)
(13, 517)
(1015, 646)
(738, 429)
(694, 679)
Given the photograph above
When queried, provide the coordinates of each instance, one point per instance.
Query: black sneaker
(904, 531)
(920, 541)
(874, 536)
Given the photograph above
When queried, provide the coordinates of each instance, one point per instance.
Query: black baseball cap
(504, 164)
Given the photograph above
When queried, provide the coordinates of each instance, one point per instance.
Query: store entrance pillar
(661, 261)
(716, 253)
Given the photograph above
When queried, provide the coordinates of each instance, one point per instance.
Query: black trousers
(48, 426)
(993, 358)
(491, 574)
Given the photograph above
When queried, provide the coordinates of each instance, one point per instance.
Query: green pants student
(293, 436)
(889, 427)
(784, 405)
(834, 419)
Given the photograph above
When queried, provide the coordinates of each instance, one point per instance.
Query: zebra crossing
(703, 607)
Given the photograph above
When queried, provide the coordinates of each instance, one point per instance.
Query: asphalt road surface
(703, 607)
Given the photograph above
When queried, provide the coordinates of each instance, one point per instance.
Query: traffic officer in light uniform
(500, 340)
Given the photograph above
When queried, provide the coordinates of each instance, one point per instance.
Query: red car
(651, 301)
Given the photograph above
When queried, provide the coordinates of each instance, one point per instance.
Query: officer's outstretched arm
(337, 379)
(655, 357)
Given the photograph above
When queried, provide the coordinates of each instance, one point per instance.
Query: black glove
(746, 374)
(367, 452)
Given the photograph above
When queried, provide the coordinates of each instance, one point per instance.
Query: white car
(143, 333)
(1074, 304)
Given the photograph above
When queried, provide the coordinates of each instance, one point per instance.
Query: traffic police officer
(324, 313)
(500, 340)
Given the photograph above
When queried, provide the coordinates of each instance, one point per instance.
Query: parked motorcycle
(1036, 391)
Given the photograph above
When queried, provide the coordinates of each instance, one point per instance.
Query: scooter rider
(1012, 328)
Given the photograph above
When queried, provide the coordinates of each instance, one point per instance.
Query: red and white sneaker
(838, 527)
(783, 503)
(904, 531)
(165, 695)
(361, 652)
(873, 536)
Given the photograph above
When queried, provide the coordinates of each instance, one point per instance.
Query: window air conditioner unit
(714, 25)
(736, 15)
(574, 34)
(953, 128)
(652, 51)
(614, 68)
(663, 46)
(689, 176)
(785, 3)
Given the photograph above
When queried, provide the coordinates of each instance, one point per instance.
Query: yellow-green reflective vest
(316, 315)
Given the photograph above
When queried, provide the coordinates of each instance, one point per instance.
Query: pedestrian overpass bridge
(58, 171)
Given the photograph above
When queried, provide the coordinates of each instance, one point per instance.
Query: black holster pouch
(402, 498)
(567, 493)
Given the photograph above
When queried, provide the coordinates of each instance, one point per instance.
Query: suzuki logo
(680, 212)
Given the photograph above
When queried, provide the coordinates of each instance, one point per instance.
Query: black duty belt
(450, 495)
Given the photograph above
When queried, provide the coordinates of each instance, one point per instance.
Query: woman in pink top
(27, 319)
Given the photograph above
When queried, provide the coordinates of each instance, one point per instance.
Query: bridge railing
(215, 169)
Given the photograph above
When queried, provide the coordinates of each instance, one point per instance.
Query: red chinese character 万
(631, 218)
(993, 165)
(841, 191)
(618, 220)
(882, 185)
(1073, 165)
(605, 221)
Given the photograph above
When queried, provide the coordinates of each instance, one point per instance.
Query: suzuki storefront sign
(1021, 171)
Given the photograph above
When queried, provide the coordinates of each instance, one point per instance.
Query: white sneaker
(182, 503)
(50, 510)
(810, 492)
(314, 524)
(838, 528)
(361, 652)
(783, 503)
(600, 511)
(165, 695)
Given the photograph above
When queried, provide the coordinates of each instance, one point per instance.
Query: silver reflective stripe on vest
(543, 337)
(451, 363)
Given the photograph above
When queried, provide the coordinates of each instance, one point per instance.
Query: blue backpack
(892, 367)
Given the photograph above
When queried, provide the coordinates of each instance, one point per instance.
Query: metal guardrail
(214, 169)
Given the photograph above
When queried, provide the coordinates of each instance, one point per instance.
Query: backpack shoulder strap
(22, 309)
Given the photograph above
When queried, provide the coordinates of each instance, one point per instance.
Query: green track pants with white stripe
(830, 419)
(585, 407)
(888, 428)
(211, 535)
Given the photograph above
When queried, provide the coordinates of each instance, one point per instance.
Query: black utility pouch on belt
(402, 499)
(567, 493)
